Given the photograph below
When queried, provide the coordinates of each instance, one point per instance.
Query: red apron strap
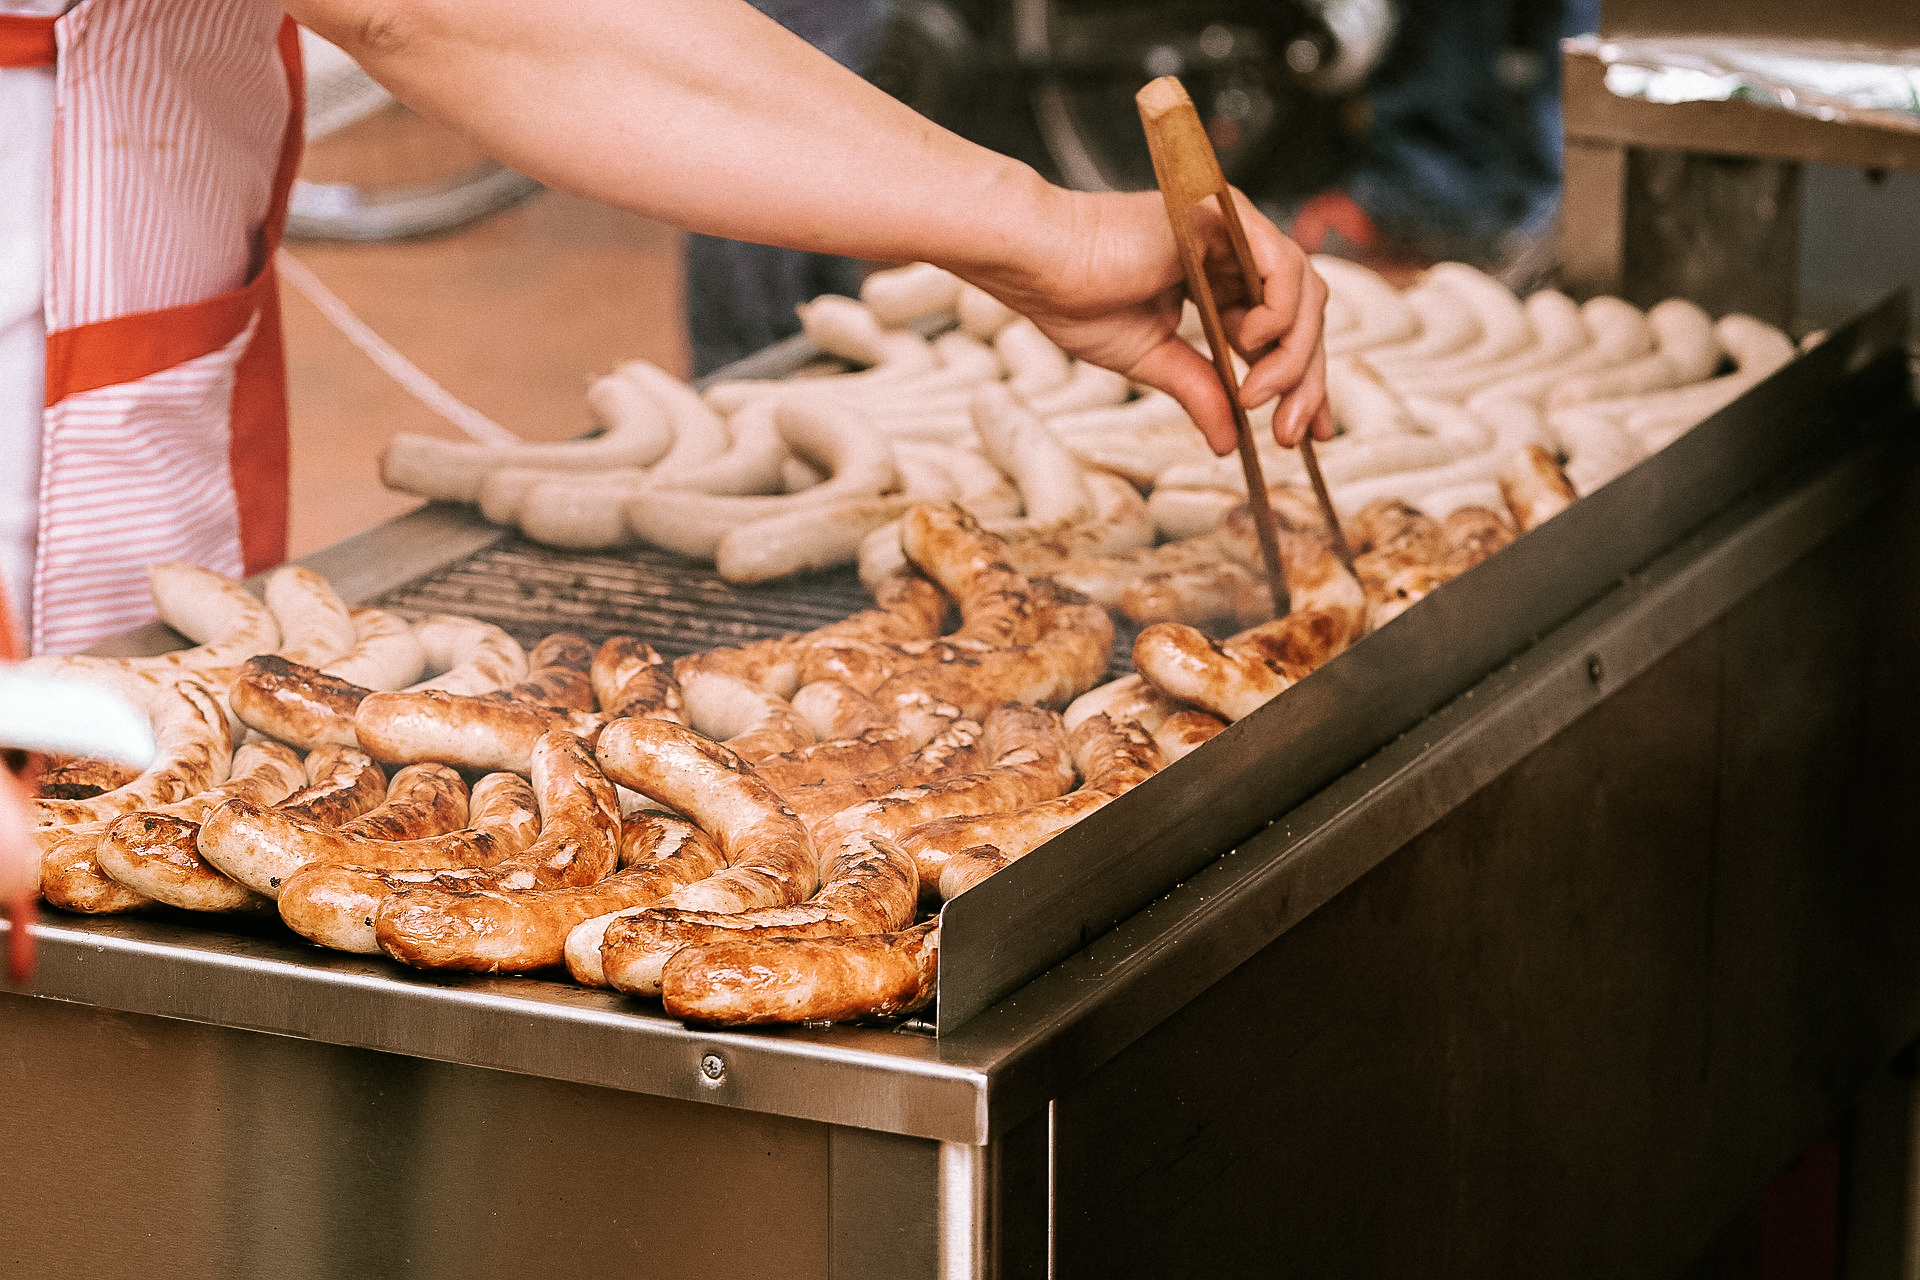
(129, 348)
(258, 450)
(26, 40)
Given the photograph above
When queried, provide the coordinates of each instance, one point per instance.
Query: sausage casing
(334, 903)
(803, 979)
(294, 704)
(868, 886)
(770, 857)
(489, 929)
(578, 846)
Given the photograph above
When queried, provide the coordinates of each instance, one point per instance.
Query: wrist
(1024, 233)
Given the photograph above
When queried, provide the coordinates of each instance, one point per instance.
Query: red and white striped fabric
(176, 131)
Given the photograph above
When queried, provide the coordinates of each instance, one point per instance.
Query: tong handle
(1189, 172)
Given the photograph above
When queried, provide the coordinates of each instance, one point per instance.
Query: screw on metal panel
(1594, 669)
(712, 1069)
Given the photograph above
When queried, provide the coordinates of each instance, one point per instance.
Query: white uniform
(26, 160)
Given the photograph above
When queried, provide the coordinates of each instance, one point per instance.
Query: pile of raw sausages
(1436, 391)
(749, 834)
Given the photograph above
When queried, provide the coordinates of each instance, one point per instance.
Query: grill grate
(675, 604)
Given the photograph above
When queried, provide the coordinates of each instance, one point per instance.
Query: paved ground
(514, 316)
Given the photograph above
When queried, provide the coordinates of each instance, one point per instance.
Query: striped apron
(175, 137)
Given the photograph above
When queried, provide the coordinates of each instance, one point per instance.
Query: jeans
(1464, 145)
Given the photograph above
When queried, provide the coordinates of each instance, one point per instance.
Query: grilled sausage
(342, 784)
(1067, 659)
(295, 704)
(557, 675)
(156, 853)
(457, 921)
(771, 664)
(211, 608)
(1535, 488)
(1184, 732)
(334, 903)
(159, 858)
(315, 628)
(1230, 681)
(71, 878)
(755, 724)
(263, 770)
(836, 759)
(1198, 595)
(998, 606)
(967, 868)
(471, 657)
(81, 777)
(954, 751)
(483, 734)
(191, 731)
(1030, 763)
(1473, 533)
(385, 654)
(579, 845)
(658, 853)
(770, 858)
(1106, 579)
(630, 679)
(1177, 729)
(1112, 757)
(867, 886)
(803, 979)
(260, 845)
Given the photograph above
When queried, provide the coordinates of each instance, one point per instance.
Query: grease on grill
(677, 605)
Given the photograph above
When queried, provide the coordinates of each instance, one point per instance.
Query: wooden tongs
(1188, 173)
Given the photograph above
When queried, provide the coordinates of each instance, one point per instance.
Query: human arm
(706, 114)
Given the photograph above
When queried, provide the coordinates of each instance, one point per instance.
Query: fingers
(1286, 277)
(1281, 333)
(1284, 367)
(1305, 406)
(1189, 377)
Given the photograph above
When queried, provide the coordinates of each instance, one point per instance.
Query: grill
(674, 604)
(1595, 862)
(677, 605)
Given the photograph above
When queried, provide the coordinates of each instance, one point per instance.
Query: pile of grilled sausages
(749, 834)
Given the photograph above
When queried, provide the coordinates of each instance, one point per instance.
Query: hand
(19, 873)
(1111, 291)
